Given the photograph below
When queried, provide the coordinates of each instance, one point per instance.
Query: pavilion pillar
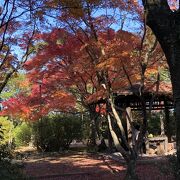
(167, 122)
(129, 118)
(162, 124)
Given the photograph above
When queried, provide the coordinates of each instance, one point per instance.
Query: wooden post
(162, 123)
(166, 144)
(167, 121)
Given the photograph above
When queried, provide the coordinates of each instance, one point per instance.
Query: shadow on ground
(84, 166)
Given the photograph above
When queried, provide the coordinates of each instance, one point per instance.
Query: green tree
(22, 134)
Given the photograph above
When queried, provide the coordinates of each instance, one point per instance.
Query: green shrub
(6, 132)
(55, 133)
(22, 134)
(8, 170)
(5, 152)
(154, 124)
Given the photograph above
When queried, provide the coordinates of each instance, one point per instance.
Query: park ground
(89, 166)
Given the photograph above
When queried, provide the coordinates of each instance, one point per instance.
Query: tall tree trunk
(177, 116)
(129, 156)
(131, 170)
(110, 142)
(165, 24)
(175, 79)
(94, 125)
(93, 131)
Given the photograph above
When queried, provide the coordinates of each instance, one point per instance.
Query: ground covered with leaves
(85, 166)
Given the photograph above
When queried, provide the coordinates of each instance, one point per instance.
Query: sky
(120, 18)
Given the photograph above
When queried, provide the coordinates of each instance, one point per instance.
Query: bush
(22, 134)
(7, 169)
(55, 133)
(5, 152)
(6, 131)
(154, 126)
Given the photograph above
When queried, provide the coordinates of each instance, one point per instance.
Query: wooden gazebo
(156, 98)
(129, 96)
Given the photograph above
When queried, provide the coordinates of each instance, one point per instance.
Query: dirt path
(80, 166)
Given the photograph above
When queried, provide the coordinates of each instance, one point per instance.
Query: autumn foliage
(64, 70)
(70, 64)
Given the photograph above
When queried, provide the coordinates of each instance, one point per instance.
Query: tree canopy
(63, 56)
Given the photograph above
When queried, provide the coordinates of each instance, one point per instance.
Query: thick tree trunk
(110, 142)
(165, 24)
(131, 170)
(175, 78)
(129, 156)
(94, 125)
(177, 116)
(92, 142)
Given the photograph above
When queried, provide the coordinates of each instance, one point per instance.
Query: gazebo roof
(163, 88)
(156, 94)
